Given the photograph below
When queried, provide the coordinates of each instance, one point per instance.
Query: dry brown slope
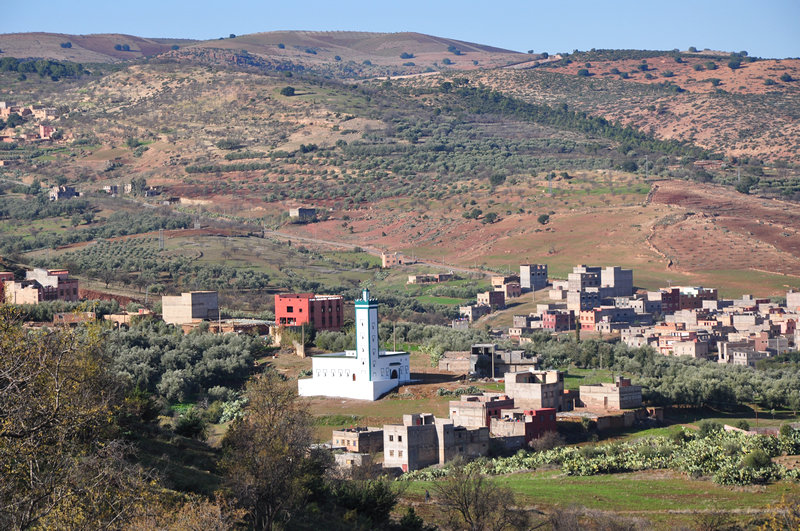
(95, 48)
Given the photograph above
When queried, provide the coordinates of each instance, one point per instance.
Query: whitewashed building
(366, 373)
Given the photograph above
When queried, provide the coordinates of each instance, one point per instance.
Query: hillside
(401, 169)
(96, 48)
(342, 52)
(436, 165)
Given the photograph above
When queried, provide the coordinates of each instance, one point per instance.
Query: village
(603, 302)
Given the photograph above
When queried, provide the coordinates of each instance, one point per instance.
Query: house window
(290, 309)
(391, 453)
(399, 438)
(400, 453)
(391, 438)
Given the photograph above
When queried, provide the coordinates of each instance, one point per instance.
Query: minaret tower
(367, 333)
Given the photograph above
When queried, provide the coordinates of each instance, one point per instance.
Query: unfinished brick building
(423, 440)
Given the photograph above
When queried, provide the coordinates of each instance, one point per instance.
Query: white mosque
(366, 373)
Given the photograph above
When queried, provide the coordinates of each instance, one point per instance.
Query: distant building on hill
(533, 277)
(392, 259)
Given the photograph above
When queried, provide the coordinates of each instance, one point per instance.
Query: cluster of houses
(491, 422)
(38, 286)
(36, 112)
(532, 277)
(677, 320)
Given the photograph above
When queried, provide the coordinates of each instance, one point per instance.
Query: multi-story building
(474, 411)
(617, 282)
(364, 440)
(323, 312)
(533, 277)
(793, 301)
(57, 193)
(590, 318)
(423, 440)
(492, 299)
(536, 389)
(611, 396)
(189, 307)
(558, 320)
(392, 259)
(473, 312)
(5, 276)
(41, 285)
(585, 299)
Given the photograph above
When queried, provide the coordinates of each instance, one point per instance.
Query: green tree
(287, 91)
(583, 72)
(267, 464)
(786, 78)
(543, 219)
(61, 466)
(497, 179)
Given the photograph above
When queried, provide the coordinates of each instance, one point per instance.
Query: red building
(558, 321)
(324, 312)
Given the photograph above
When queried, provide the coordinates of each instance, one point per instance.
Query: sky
(769, 28)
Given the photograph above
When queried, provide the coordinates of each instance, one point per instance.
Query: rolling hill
(456, 165)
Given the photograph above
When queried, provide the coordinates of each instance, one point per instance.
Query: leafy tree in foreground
(473, 502)
(61, 466)
(267, 465)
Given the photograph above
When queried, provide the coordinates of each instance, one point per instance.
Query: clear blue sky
(769, 28)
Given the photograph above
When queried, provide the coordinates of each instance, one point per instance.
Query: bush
(548, 441)
(786, 78)
(191, 424)
(743, 425)
(287, 91)
(756, 459)
(543, 219)
(583, 72)
(228, 143)
(707, 427)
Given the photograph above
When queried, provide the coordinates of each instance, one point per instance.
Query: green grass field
(666, 499)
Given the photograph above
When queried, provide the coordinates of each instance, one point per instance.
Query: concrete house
(189, 307)
(532, 277)
(324, 312)
(362, 440)
(518, 427)
(611, 396)
(492, 299)
(537, 389)
(423, 440)
(474, 411)
(392, 259)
